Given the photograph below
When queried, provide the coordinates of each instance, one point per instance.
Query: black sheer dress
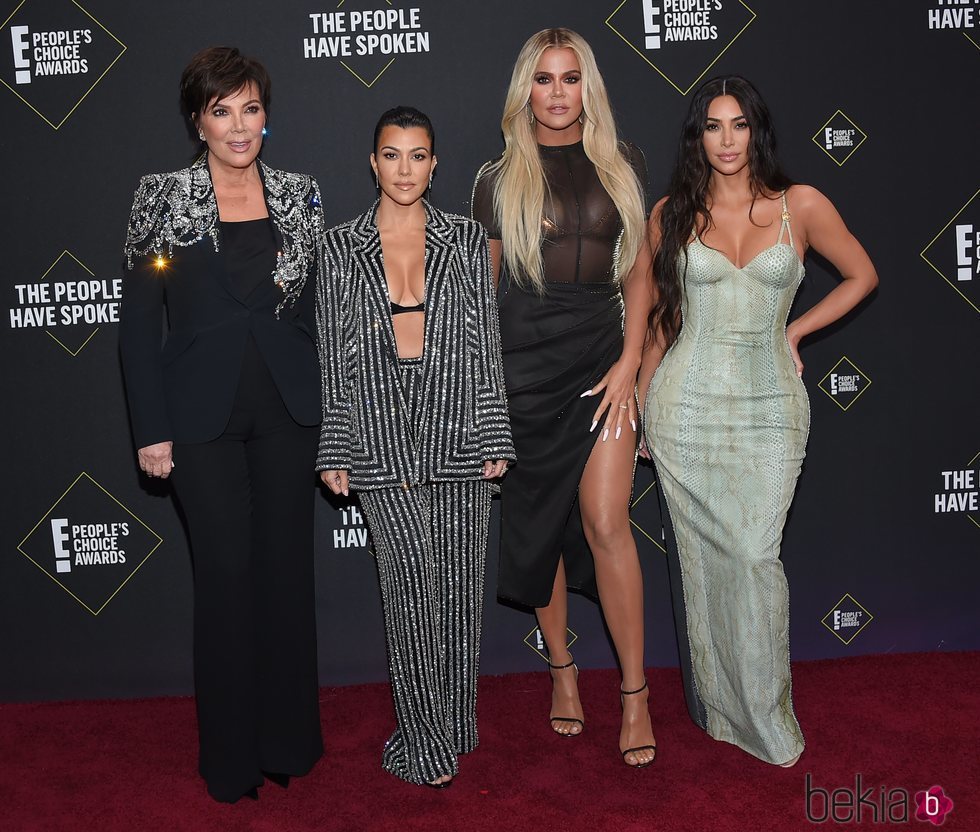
(555, 347)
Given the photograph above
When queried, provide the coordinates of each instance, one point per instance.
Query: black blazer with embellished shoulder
(367, 428)
(183, 389)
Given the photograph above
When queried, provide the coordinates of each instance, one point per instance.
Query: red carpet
(902, 722)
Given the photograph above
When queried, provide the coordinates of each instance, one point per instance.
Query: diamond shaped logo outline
(540, 653)
(124, 508)
(864, 137)
(95, 83)
(831, 370)
(660, 72)
(636, 525)
(69, 350)
(354, 72)
(868, 619)
(942, 231)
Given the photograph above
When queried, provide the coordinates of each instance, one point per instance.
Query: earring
(530, 115)
(430, 181)
(581, 118)
(377, 182)
(200, 135)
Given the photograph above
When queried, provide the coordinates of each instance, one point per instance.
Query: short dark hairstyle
(405, 117)
(219, 71)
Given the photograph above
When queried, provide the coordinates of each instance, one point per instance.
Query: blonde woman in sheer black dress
(563, 208)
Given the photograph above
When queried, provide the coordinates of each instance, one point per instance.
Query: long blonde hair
(519, 186)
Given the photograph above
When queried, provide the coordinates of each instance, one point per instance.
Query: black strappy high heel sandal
(622, 695)
(555, 719)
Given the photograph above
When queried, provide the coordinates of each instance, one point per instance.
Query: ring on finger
(623, 407)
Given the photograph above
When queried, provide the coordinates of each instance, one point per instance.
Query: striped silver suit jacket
(366, 428)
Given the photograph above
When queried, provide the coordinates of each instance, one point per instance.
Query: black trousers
(248, 499)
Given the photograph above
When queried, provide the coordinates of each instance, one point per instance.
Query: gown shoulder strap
(785, 226)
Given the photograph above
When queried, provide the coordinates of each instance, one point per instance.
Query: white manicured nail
(586, 393)
(634, 425)
(605, 434)
(593, 426)
(619, 430)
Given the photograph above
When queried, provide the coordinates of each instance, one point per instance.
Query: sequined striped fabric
(430, 544)
(463, 406)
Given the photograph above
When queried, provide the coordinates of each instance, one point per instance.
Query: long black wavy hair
(686, 209)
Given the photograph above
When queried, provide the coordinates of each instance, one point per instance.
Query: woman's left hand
(619, 400)
(494, 468)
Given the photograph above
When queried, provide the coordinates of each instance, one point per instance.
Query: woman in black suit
(230, 248)
(415, 420)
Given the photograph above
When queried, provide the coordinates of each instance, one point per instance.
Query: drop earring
(430, 181)
(200, 135)
(530, 115)
(377, 182)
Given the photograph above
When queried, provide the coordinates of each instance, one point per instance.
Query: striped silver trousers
(430, 544)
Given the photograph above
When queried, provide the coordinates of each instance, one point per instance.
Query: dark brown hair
(219, 71)
(405, 117)
(686, 210)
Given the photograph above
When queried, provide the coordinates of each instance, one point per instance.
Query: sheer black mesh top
(580, 226)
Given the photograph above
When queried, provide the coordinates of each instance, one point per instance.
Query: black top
(580, 225)
(398, 309)
(249, 253)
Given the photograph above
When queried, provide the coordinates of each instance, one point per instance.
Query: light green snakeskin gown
(726, 421)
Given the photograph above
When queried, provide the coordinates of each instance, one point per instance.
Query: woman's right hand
(336, 481)
(157, 460)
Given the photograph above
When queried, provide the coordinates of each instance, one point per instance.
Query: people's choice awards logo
(839, 137)
(365, 36)
(536, 642)
(680, 39)
(960, 493)
(847, 619)
(69, 302)
(89, 543)
(58, 53)
(845, 383)
(954, 253)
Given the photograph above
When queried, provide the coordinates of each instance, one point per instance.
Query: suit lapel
(439, 271)
(369, 262)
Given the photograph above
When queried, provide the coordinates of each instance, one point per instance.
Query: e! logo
(18, 40)
(967, 245)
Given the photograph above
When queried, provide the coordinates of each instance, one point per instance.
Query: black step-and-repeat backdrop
(875, 104)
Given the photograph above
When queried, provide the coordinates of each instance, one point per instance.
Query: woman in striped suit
(415, 420)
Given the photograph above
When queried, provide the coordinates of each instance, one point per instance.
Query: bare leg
(604, 496)
(553, 621)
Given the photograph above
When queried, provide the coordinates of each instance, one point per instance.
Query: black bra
(398, 309)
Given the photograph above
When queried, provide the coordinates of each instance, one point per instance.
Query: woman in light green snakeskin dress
(727, 416)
